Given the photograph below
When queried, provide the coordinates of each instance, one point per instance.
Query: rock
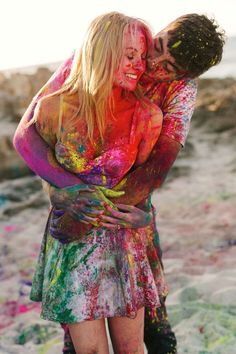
(6, 105)
(216, 107)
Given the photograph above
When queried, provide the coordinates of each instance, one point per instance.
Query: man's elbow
(17, 141)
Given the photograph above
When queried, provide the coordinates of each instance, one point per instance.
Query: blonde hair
(94, 67)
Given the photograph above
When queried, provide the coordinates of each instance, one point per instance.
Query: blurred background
(196, 207)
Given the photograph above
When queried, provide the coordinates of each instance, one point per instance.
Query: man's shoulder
(175, 85)
(161, 92)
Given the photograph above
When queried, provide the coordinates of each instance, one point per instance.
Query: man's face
(161, 65)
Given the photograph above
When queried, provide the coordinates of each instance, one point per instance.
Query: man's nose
(139, 64)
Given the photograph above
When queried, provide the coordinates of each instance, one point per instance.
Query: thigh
(127, 334)
(89, 337)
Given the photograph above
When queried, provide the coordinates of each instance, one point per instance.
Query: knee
(87, 350)
(132, 346)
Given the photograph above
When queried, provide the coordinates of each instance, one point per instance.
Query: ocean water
(227, 67)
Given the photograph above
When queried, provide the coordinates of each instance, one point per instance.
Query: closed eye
(169, 67)
(158, 45)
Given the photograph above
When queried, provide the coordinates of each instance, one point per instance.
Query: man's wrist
(58, 197)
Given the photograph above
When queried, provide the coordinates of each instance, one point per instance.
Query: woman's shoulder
(149, 108)
(49, 104)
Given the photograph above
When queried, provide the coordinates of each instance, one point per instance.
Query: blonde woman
(99, 129)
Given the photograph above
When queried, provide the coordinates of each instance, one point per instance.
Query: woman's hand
(126, 216)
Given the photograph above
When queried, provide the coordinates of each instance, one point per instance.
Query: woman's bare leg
(127, 334)
(89, 337)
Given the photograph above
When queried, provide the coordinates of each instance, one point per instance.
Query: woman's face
(133, 61)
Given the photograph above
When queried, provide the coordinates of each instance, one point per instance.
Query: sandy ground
(197, 222)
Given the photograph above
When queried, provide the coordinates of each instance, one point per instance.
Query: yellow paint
(130, 260)
(47, 347)
(176, 44)
(56, 276)
(220, 341)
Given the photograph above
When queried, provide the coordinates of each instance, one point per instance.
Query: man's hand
(77, 201)
(84, 203)
(125, 217)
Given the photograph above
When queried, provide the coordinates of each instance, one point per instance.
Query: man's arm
(141, 182)
(32, 148)
(177, 107)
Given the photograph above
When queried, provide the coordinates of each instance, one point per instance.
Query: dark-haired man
(185, 49)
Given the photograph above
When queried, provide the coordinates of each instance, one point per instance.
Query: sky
(43, 31)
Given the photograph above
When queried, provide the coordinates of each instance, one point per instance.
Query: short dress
(105, 273)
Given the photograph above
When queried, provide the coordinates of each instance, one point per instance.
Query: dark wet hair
(196, 43)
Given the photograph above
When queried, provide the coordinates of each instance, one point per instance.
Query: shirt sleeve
(178, 109)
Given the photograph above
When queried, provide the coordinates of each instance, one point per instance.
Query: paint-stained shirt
(176, 100)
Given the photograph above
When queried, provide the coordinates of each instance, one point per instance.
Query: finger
(58, 212)
(120, 185)
(82, 200)
(80, 188)
(94, 202)
(84, 217)
(110, 193)
(92, 211)
(76, 209)
(105, 218)
(95, 207)
(84, 222)
(118, 214)
(109, 226)
(55, 234)
(126, 207)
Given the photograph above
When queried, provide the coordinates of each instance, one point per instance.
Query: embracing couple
(102, 134)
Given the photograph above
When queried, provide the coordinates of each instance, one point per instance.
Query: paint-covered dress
(105, 273)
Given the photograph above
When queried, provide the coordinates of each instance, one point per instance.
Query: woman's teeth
(132, 76)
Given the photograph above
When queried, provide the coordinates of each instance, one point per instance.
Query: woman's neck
(117, 93)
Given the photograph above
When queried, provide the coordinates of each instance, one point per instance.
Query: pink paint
(10, 228)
